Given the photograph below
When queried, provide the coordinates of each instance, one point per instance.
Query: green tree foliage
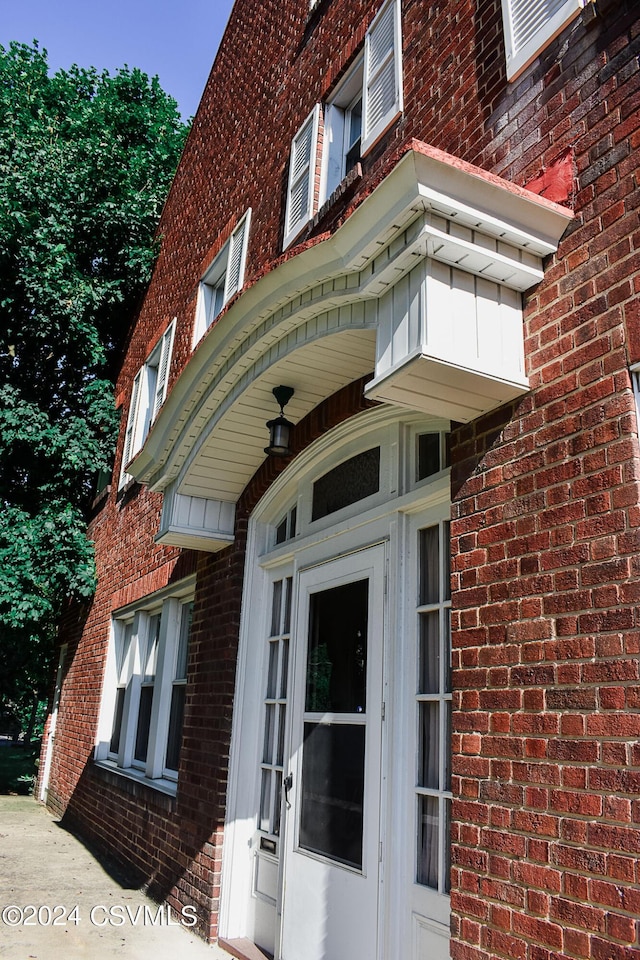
(86, 160)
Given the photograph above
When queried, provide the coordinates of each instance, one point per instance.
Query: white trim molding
(529, 25)
(421, 287)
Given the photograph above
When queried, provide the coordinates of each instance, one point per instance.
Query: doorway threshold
(244, 949)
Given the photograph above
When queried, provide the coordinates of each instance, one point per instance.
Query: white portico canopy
(421, 286)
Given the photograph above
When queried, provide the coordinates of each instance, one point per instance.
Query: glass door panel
(334, 731)
(333, 791)
(337, 655)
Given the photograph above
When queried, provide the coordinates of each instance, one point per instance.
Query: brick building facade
(380, 696)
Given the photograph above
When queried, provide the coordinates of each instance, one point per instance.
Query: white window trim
(431, 907)
(521, 52)
(634, 370)
(336, 114)
(171, 610)
(226, 273)
(148, 393)
(297, 177)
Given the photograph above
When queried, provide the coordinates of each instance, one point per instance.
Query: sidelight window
(275, 708)
(433, 703)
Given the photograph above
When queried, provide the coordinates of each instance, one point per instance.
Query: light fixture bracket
(282, 395)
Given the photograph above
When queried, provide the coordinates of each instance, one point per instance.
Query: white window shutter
(237, 257)
(163, 368)
(132, 419)
(302, 170)
(382, 91)
(530, 24)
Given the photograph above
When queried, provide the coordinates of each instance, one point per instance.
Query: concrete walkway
(43, 867)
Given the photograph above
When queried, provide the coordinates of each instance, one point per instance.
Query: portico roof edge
(411, 179)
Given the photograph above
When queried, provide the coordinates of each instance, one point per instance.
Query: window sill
(127, 491)
(137, 777)
(345, 188)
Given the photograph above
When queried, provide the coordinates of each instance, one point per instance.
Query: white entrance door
(332, 845)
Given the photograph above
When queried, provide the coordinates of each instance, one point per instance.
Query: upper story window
(147, 396)
(530, 24)
(223, 278)
(343, 130)
(363, 108)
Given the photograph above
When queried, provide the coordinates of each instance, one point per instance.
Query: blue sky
(175, 39)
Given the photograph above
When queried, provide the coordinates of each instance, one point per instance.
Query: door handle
(287, 783)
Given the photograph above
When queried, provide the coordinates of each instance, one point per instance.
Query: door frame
(387, 517)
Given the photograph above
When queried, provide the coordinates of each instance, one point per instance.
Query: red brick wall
(546, 546)
(547, 764)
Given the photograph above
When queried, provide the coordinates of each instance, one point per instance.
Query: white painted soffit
(325, 275)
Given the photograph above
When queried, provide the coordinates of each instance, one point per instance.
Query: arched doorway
(337, 837)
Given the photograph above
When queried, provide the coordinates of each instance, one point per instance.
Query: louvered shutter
(132, 419)
(237, 257)
(162, 376)
(382, 94)
(302, 164)
(530, 24)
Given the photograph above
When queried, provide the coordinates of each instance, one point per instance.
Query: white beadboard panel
(400, 307)
(442, 389)
(462, 316)
(234, 447)
(195, 523)
(460, 321)
(439, 327)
